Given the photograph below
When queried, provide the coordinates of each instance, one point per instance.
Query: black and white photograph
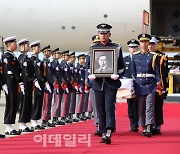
(103, 62)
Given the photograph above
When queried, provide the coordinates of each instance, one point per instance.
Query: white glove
(76, 88)
(5, 88)
(67, 90)
(25, 64)
(38, 64)
(65, 69)
(5, 61)
(49, 65)
(22, 88)
(36, 83)
(80, 90)
(114, 76)
(57, 68)
(91, 77)
(48, 87)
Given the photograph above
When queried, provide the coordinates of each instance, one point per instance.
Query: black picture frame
(106, 57)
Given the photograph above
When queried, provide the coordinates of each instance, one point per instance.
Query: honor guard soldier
(91, 105)
(161, 93)
(48, 88)
(11, 74)
(58, 91)
(27, 78)
(105, 88)
(2, 86)
(74, 83)
(132, 102)
(66, 85)
(92, 101)
(146, 79)
(81, 94)
(38, 86)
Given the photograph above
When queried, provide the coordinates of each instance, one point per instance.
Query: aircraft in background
(70, 24)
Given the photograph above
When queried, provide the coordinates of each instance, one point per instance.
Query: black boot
(54, 120)
(89, 115)
(103, 138)
(82, 117)
(2, 136)
(97, 133)
(108, 137)
(74, 119)
(148, 131)
(47, 124)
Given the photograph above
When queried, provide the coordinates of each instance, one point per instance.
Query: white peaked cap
(9, 38)
(153, 40)
(35, 43)
(23, 40)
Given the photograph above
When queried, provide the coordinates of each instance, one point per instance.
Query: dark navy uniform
(92, 105)
(58, 91)
(81, 94)
(105, 88)
(132, 103)
(26, 99)
(67, 87)
(12, 76)
(38, 94)
(11, 73)
(48, 90)
(163, 65)
(162, 61)
(105, 93)
(74, 83)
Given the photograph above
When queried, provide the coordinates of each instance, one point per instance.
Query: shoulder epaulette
(160, 54)
(154, 53)
(115, 44)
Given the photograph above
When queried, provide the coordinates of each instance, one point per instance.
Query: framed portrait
(103, 61)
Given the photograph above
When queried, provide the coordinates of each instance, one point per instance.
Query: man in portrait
(103, 65)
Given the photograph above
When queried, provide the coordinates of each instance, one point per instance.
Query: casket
(126, 91)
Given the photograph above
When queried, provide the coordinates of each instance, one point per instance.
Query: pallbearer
(38, 85)
(132, 102)
(105, 88)
(145, 72)
(161, 93)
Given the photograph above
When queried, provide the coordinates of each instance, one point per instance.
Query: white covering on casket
(127, 84)
(126, 90)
